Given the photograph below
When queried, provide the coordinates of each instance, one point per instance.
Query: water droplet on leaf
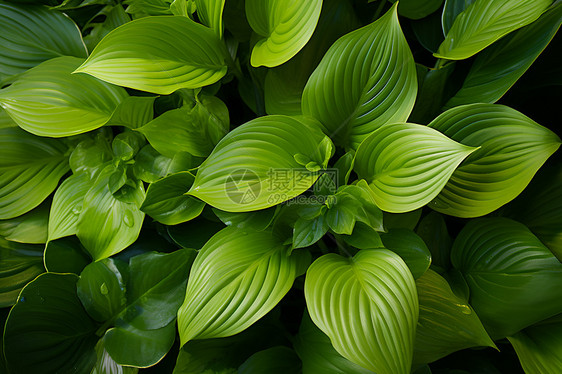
(103, 289)
(128, 218)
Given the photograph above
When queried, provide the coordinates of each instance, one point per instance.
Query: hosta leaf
(317, 354)
(485, 21)
(130, 346)
(106, 365)
(410, 247)
(258, 220)
(193, 130)
(514, 279)
(91, 154)
(101, 288)
(497, 68)
(210, 14)
(539, 207)
(48, 100)
(237, 277)
(366, 79)
(451, 10)
(368, 307)
(284, 26)
(308, 231)
(28, 228)
(281, 159)
(275, 360)
(447, 323)
(66, 255)
(143, 8)
(19, 264)
(433, 230)
(109, 223)
(150, 165)
(512, 148)
(156, 288)
(133, 112)
(284, 84)
(142, 55)
(33, 34)
(167, 202)
(30, 169)
(416, 9)
(67, 204)
(539, 347)
(407, 165)
(48, 330)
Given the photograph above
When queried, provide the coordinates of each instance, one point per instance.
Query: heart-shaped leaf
(48, 100)
(366, 79)
(19, 264)
(377, 286)
(30, 167)
(485, 21)
(512, 148)
(447, 323)
(143, 55)
(108, 222)
(237, 277)
(167, 202)
(498, 67)
(281, 159)
(514, 279)
(34, 34)
(285, 27)
(407, 165)
(538, 347)
(48, 330)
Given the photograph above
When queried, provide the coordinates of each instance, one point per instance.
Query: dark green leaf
(276, 360)
(410, 247)
(66, 255)
(28, 228)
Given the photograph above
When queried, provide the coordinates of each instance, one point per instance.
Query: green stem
(440, 63)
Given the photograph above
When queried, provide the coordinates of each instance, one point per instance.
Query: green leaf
(410, 247)
(48, 100)
(156, 288)
(33, 34)
(194, 234)
(309, 231)
(408, 220)
(66, 255)
(48, 330)
(28, 228)
(106, 365)
(258, 220)
(210, 14)
(275, 360)
(284, 84)
(539, 208)
(19, 264)
(30, 167)
(433, 230)
(366, 79)
(514, 279)
(167, 202)
(447, 323)
(538, 347)
(484, 22)
(416, 9)
(142, 55)
(237, 277)
(92, 154)
(109, 223)
(67, 204)
(130, 346)
(115, 16)
(284, 28)
(267, 172)
(150, 165)
(317, 354)
(497, 68)
(6, 120)
(451, 10)
(193, 130)
(133, 112)
(512, 148)
(101, 288)
(376, 285)
(407, 165)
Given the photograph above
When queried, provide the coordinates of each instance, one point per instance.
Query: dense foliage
(280, 186)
